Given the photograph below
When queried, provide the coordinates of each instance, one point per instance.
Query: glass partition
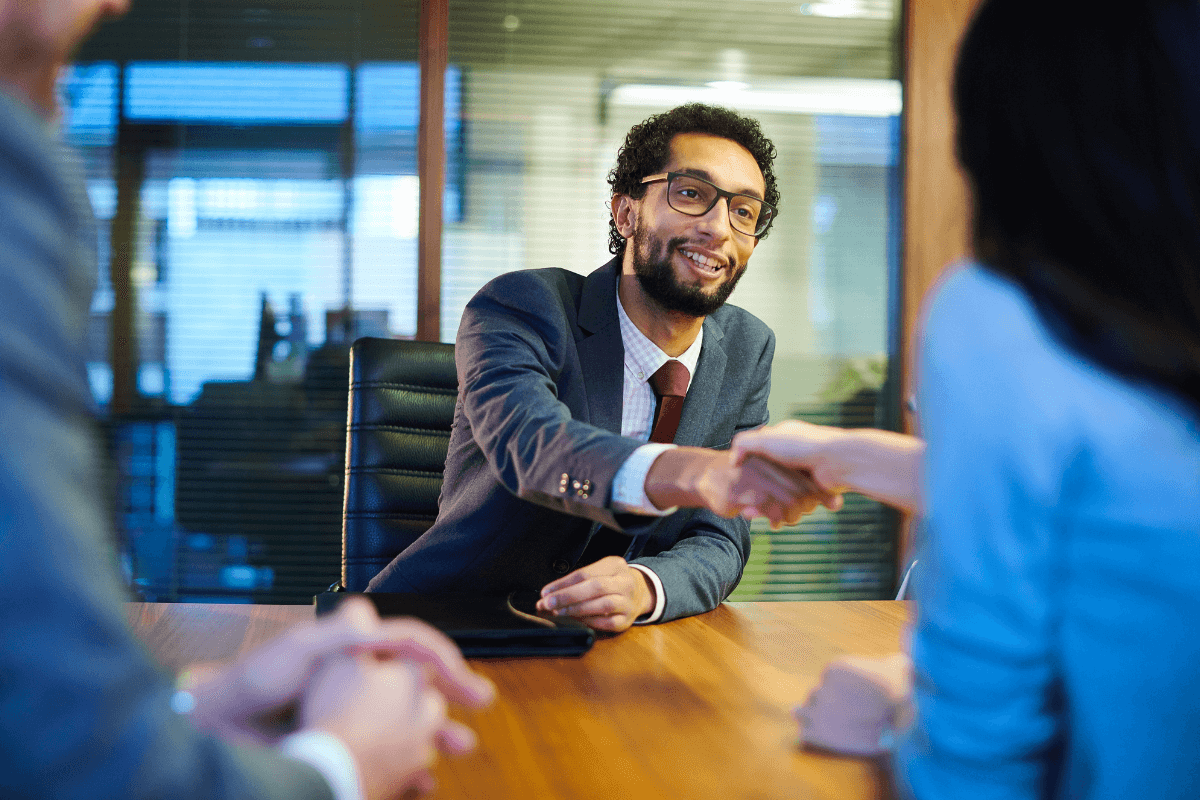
(268, 152)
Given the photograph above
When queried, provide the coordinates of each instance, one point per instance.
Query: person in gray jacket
(550, 483)
(84, 713)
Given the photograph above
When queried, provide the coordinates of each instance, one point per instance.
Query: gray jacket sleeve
(84, 713)
(522, 388)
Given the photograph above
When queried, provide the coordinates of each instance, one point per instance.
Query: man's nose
(716, 220)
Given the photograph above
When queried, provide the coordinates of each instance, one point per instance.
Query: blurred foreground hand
(380, 686)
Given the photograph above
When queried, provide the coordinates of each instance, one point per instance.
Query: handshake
(786, 471)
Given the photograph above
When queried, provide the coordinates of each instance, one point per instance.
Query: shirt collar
(643, 357)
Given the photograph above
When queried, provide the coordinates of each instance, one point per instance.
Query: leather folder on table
(483, 626)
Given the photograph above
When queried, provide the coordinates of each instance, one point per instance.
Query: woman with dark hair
(1055, 650)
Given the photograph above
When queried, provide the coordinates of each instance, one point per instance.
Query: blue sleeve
(84, 713)
(983, 647)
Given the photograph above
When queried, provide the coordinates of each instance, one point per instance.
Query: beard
(656, 274)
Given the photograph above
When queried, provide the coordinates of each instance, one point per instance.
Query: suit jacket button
(561, 566)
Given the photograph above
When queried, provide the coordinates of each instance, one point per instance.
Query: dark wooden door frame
(434, 32)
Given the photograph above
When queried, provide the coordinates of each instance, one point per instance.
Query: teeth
(703, 261)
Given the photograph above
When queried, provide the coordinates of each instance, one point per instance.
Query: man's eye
(690, 194)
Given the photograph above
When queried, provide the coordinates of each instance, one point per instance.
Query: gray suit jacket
(536, 444)
(83, 711)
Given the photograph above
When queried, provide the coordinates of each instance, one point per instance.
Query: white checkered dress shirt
(642, 359)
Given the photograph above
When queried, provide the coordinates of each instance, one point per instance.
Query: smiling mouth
(703, 264)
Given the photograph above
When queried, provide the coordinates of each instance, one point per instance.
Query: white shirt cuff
(629, 484)
(325, 753)
(660, 598)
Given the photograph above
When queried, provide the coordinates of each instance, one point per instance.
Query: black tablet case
(483, 626)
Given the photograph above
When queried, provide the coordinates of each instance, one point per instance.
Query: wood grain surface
(696, 708)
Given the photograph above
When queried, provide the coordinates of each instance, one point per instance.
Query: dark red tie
(670, 383)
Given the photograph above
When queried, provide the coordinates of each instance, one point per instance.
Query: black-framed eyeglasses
(695, 197)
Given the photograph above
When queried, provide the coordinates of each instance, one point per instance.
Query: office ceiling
(624, 39)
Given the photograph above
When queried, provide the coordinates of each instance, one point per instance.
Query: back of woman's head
(1079, 131)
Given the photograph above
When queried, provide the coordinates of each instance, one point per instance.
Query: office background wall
(258, 166)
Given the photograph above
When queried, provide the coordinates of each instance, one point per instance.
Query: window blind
(275, 152)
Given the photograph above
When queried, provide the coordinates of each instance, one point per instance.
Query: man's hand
(799, 445)
(880, 464)
(690, 476)
(246, 699)
(608, 595)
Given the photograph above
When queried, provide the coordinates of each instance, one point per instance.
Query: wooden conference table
(692, 709)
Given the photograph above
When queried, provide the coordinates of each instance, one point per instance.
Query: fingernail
(469, 740)
(484, 690)
(550, 602)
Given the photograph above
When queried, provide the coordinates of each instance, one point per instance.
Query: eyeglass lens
(695, 196)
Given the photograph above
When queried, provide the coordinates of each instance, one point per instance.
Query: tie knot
(671, 379)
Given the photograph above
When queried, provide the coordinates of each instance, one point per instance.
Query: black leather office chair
(401, 408)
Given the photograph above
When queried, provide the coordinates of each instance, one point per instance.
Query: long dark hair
(1079, 131)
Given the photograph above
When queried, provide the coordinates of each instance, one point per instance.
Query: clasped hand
(728, 485)
(753, 486)
(380, 686)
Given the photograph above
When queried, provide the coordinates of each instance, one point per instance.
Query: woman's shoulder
(984, 325)
(974, 304)
(981, 333)
(989, 361)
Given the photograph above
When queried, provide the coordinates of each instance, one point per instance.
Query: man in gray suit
(550, 484)
(83, 711)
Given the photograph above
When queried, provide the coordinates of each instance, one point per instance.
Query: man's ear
(624, 214)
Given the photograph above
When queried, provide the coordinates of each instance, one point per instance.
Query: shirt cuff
(629, 484)
(660, 598)
(326, 754)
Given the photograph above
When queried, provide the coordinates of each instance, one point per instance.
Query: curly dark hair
(648, 146)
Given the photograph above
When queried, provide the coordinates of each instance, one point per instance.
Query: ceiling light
(840, 96)
(843, 9)
(729, 86)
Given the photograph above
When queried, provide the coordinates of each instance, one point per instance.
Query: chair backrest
(401, 407)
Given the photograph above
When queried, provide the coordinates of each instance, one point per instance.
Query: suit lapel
(696, 421)
(602, 353)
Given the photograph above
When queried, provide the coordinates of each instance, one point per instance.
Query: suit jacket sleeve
(522, 389)
(83, 711)
(704, 564)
